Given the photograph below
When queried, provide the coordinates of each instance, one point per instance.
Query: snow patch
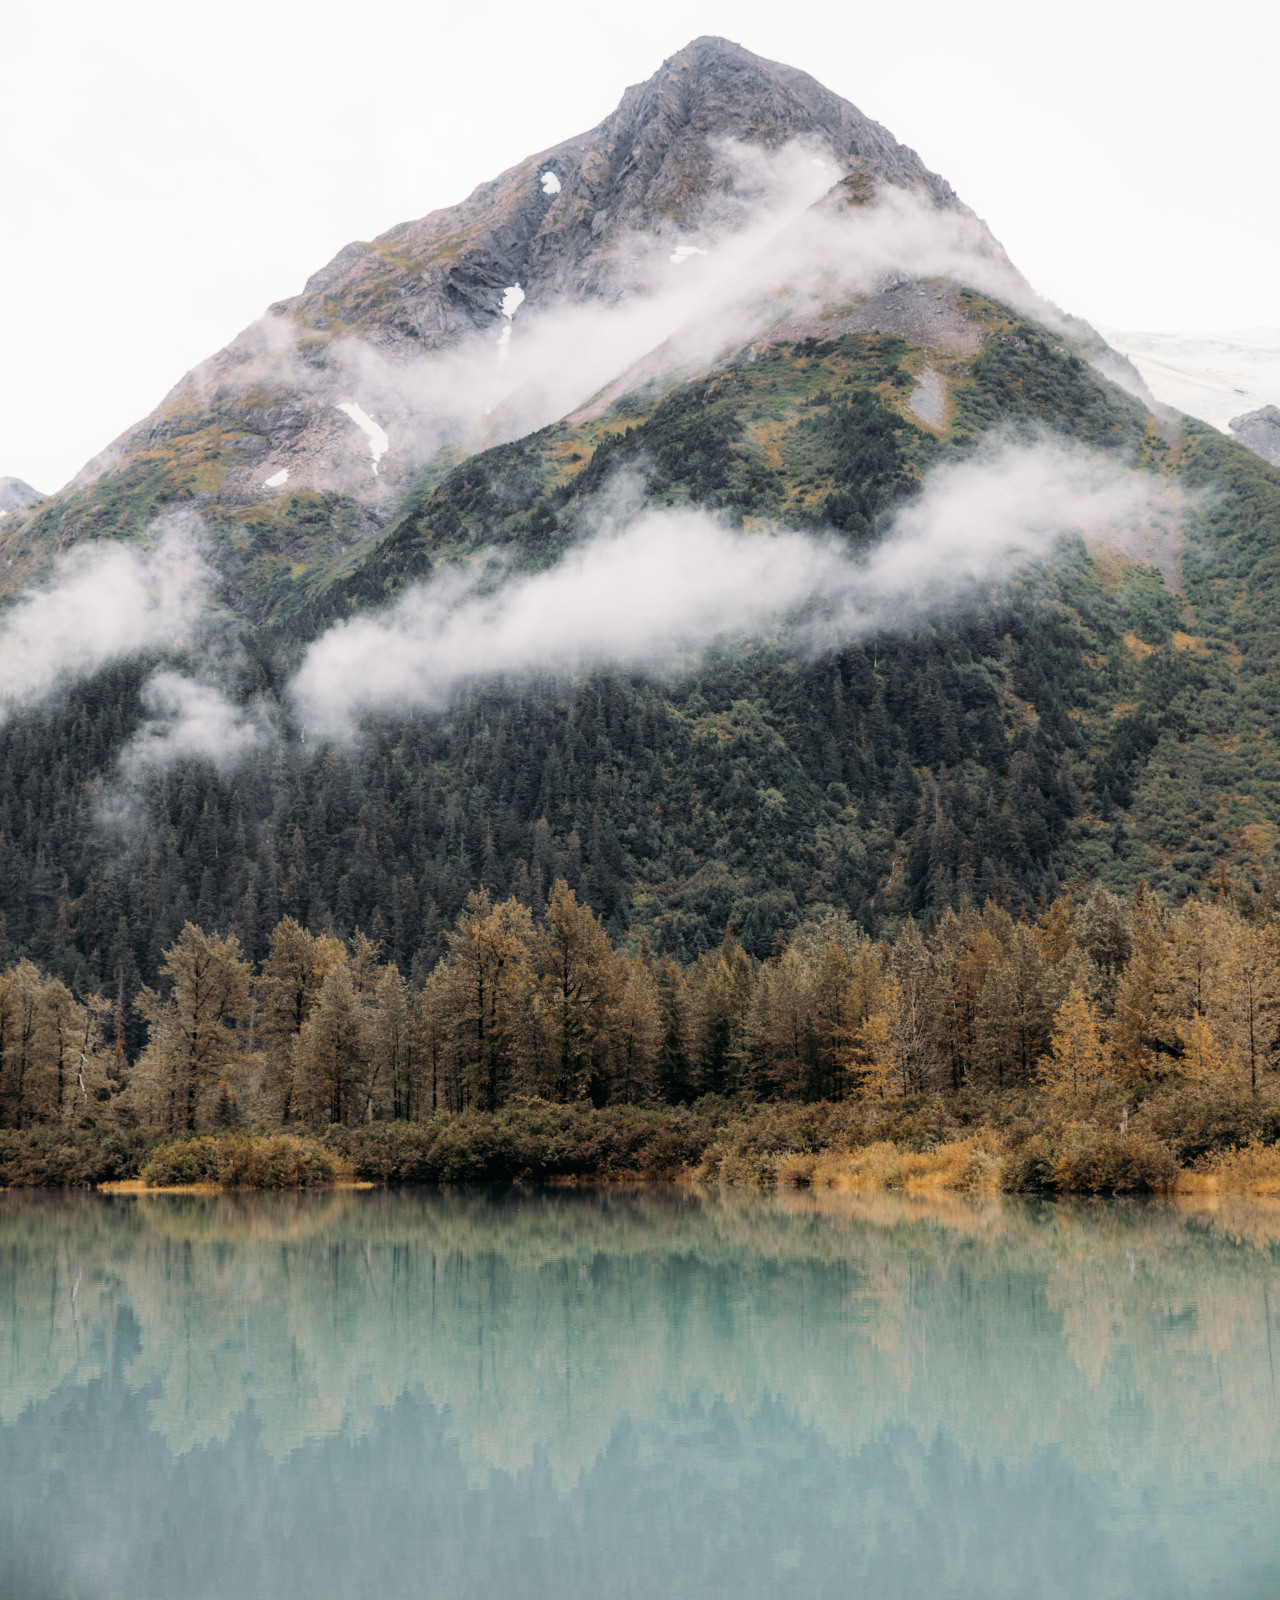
(512, 300)
(550, 183)
(683, 252)
(276, 479)
(379, 444)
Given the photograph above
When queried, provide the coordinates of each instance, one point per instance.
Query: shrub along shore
(1201, 1140)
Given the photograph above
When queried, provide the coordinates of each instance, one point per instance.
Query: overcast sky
(169, 170)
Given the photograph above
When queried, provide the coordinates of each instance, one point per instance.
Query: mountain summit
(326, 396)
(557, 222)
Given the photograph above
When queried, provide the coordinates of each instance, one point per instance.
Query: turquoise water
(584, 1396)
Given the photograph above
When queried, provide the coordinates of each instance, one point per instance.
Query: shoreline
(137, 1186)
(1181, 1139)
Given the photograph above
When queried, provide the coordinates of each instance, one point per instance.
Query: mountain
(451, 636)
(563, 225)
(14, 494)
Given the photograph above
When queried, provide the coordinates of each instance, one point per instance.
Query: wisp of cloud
(669, 582)
(102, 602)
(189, 719)
(775, 242)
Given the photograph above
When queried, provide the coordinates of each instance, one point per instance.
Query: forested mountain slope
(1099, 718)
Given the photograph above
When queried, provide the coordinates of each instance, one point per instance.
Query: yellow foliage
(1252, 1169)
(1077, 1059)
(969, 1165)
(873, 1058)
(1203, 1057)
(1056, 931)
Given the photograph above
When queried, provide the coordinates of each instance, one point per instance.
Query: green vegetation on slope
(1088, 725)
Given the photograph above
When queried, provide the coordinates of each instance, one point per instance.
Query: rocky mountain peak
(327, 394)
(554, 222)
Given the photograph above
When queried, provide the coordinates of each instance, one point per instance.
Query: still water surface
(598, 1395)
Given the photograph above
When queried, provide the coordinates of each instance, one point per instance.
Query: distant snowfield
(1213, 376)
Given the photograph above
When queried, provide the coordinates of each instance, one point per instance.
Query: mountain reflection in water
(635, 1394)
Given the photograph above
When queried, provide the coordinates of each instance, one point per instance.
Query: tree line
(325, 1032)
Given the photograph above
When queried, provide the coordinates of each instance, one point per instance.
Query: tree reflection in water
(649, 1393)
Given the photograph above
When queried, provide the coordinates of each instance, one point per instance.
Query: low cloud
(188, 720)
(545, 356)
(650, 590)
(771, 240)
(666, 583)
(101, 603)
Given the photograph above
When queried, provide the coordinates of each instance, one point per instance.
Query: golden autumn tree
(286, 990)
(438, 1086)
(1247, 1001)
(722, 983)
(1056, 924)
(394, 1080)
(834, 1001)
(192, 1042)
(881, 1052)
(964, 950)
(782, 1026)
(1104, 931)
(673, 1069)
(22, 1029)
(1138, 1026)
(579, 988)
(332, 1054)
(51, 1065)
(898, 1046)
(487, 992)
(1013, 1014)
(636, 1030)
(1078, 1059)
(1199, 939)
(1203, 1057)
(75, 1087)
(917, 1012)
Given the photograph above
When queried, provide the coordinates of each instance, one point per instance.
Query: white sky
(168, 170)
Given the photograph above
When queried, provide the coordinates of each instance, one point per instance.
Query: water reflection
(635, 1394)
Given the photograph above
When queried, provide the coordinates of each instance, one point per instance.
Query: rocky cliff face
(556, 224)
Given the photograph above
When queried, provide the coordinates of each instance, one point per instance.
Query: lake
(636, 1393)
